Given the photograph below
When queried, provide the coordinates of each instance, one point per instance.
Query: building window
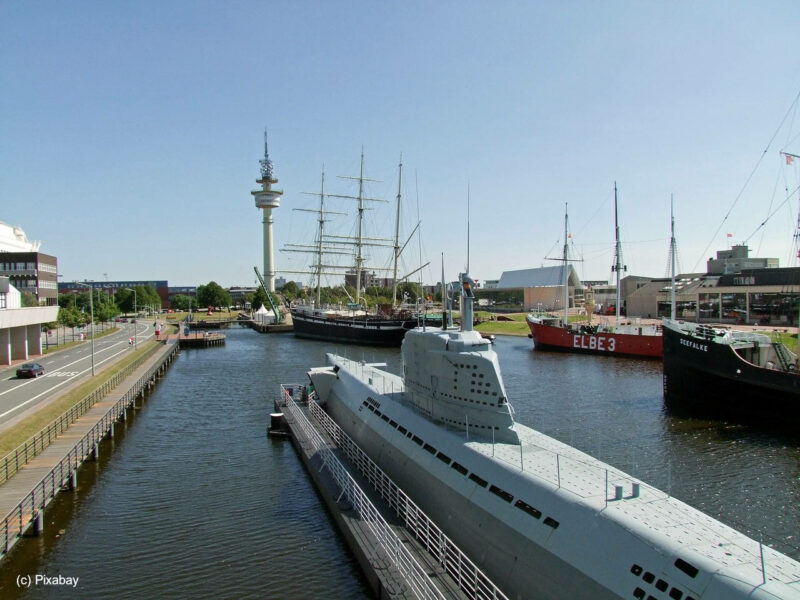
(3, 300)
(709, 306)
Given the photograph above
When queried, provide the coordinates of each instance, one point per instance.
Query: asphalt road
(65, 367)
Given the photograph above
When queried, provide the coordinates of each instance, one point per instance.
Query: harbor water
(195, 501)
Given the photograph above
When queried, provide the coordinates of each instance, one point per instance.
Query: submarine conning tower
(453, 377)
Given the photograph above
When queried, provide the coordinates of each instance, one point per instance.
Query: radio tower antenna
(266, 163)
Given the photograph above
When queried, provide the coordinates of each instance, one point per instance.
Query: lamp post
(135, 314)
(91, 309)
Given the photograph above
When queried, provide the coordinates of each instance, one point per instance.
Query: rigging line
(749, 177)
(592, 218)
(772, 214)
(771, 202)
(624, 243)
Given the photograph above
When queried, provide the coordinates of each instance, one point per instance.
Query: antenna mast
(266, 163)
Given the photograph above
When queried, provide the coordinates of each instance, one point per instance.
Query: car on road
(30, 370)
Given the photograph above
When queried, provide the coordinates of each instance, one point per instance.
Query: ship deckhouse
(453, 378)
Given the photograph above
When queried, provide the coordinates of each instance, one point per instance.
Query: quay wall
(24, 497)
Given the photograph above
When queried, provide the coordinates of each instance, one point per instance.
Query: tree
(213, 294)
(290, 290)
(104, 306)
(409, 292)
(183, 302)
(145, 296)
(124, 299)
(29, 299)
(259, 299)
(70, 317)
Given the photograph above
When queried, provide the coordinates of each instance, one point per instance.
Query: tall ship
(621, 339)
(719, 371)
(540, 518)
(354, 323)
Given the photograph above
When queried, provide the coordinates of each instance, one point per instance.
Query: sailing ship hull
(369, 331)
(608, 343)
(710, 379)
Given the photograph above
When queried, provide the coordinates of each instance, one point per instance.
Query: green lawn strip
(36, 422)
(787, 339)
(503, 327)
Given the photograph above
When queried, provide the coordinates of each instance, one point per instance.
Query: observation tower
(266, 199)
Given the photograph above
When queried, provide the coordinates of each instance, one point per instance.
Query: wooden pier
(25, 495)
(269, 327)
(200, 340)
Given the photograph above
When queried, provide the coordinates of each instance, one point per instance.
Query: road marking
(18, 406)
(63, 367)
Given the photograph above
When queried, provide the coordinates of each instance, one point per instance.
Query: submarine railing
(395, 551)
(469, 578)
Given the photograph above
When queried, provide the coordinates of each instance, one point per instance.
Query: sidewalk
(37, 483)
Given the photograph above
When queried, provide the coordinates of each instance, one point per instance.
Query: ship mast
(617, 266)
(359, 243)
(566, 266)
(361, 208)
(320, 249)
(672, 251)
(321, 228)
(397, 233)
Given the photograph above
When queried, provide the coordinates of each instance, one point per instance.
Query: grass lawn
(503, 327)
(201, 315)
(34, 423)
(787, 339)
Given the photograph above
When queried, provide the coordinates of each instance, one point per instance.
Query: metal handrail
(18, 519)
(391, 548)
(21, 455)
(472, 581)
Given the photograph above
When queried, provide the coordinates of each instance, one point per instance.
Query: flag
(730, 235)
(789, 159)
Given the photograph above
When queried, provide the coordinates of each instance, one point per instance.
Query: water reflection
(196, 501)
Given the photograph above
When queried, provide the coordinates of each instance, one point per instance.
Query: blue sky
(131, 132)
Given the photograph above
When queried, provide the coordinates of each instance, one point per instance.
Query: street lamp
(134, 315)
(91, 309)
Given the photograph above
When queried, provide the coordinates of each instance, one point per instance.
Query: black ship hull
(710, 379)
(369, 331)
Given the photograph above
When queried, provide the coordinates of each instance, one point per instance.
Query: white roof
(13, 239)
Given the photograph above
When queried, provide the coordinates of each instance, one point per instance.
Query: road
(66, 367)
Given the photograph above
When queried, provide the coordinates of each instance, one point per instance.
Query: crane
(278, 315)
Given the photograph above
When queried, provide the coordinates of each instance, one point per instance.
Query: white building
(20, 327)
(13, 239)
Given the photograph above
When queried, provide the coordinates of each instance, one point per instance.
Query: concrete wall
(21, 331)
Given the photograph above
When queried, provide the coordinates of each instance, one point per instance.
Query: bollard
(38, 522)
(277, 424)
(73, 480)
